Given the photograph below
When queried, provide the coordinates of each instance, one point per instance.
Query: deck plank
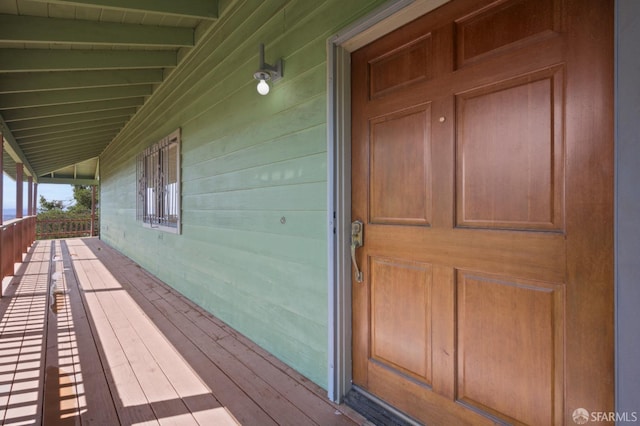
(127, 358)
(130, 401)
(164, 399)
(172, 309)
(233, 398)
(63, 374)
(174, 391)
(22, 336)
(256, 380)
(277, 408)
(230, 395)
(124, 348)
(94, 392)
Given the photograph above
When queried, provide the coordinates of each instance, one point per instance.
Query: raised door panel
(510, 347)
(510, 154)
(400, 180)
(400, 316)
(402, 67)
(504, 25)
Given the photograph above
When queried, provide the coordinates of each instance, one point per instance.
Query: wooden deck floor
(88, 337)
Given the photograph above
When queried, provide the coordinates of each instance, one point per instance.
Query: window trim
(157, 187)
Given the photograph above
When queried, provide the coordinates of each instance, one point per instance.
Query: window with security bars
(158, 175)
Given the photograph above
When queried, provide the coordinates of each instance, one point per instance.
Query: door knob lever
(357, 241)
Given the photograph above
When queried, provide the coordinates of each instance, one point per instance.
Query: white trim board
(627, 206)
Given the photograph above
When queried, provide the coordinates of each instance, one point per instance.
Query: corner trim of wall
(626, 207)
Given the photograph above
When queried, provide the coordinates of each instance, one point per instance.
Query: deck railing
(16, 236)
(81, 226)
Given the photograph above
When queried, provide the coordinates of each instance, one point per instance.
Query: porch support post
(35, 198)
(2, 249)
(19, 186)
(93, 209)
(1, 184)
(30, 196)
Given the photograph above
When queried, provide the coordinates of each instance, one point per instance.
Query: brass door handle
(357, 240)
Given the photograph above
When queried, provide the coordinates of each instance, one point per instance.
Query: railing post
(17, 243)
(19, 189)
(26, 234)
(29, 195)
(7, 252)
(93, 210)
(22, 237)
(35, 198)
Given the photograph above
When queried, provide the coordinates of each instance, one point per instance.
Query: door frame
(381, 21)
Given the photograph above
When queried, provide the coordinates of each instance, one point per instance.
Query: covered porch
(89, 337)
(243, 205)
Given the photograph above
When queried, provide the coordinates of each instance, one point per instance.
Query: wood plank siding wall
(254, 176)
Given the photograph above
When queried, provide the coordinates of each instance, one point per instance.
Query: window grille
(158, 181)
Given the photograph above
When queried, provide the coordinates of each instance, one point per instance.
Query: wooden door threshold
(375, 410)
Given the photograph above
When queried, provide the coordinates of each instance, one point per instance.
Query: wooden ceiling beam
(25, 60)
(61, 110)
(64, 159)
(36, 29)
(10, 145)
(54, 130)
(56, 150)
(200, 9)
(69, 141)
(68, 135)
(60, 97)
(36, 81)
(68, 181)
(60, 158)
(38, 123)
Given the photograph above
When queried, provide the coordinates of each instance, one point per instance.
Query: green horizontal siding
(253, 248)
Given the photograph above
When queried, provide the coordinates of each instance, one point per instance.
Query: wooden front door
(482, 170)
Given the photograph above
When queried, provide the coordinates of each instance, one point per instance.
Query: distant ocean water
(8, 214)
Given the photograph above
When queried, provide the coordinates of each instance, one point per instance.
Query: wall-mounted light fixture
(267, 72)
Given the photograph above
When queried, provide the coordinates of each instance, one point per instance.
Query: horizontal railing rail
(81, 226)
(16, 236)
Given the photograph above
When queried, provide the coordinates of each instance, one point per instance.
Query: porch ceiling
(73, 72)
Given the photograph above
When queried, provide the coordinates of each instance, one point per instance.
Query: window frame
(158, 198)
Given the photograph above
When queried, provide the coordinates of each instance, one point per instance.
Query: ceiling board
(74, 72)
(200, 9)
(38, 81)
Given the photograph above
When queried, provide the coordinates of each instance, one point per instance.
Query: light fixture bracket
(267, 71)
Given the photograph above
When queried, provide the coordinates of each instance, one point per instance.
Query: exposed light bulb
(263, 87)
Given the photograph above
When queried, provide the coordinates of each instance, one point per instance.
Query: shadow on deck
(88, 337)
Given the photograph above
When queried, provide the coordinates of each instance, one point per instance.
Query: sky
(49, 191)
